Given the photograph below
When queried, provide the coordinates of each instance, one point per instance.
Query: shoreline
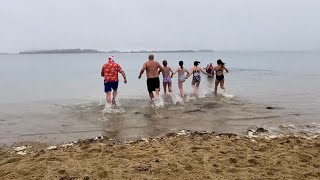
(176, 155)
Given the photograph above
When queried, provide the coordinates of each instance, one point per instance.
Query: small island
(61, 51)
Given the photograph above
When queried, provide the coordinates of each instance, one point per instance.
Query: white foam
(158, 103)
(228, 96)
(114, 109)
(177, 99)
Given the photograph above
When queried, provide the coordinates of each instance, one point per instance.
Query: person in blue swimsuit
(219, 75)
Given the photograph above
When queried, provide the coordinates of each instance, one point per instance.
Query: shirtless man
(153, 82)
(166, 77)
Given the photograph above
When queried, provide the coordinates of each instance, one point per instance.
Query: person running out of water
(196, 79)
(181, 78)
(110, 72)
(153, 82)
(166, 77)
(219, 76)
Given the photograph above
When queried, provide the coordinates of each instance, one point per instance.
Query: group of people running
(153, 69)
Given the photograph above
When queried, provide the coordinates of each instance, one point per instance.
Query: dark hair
(181, 64)
(219, 62)
(196, 63)
(151, 57)
(164, 62)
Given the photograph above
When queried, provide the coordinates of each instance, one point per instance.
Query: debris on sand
(52, 148)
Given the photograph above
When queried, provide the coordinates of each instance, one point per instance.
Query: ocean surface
(58, 98)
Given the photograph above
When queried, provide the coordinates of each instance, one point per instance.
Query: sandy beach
(174, 156)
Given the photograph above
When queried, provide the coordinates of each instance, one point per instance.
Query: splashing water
(114, 108)
(158, 103)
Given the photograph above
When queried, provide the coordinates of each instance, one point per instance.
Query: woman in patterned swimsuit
(181, 78)
(166, 77)
(196, 79)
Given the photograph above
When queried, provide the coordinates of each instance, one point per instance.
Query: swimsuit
(153, 84)
(219, 77)
(196, 78)
(167, 80)
(181, 75)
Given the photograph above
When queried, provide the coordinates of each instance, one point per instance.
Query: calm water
(56, 98)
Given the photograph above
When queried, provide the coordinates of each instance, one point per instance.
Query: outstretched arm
(171, 72)
(188, 73)
(142, 70)
(175, 72)
(160, 68)
(205, 72)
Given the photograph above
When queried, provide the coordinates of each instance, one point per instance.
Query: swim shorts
(153, 84)
(111, 85)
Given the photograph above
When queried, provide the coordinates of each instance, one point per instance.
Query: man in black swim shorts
(152, 68)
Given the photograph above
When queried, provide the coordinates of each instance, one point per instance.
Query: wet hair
(165, 63)
(196, 63)
(151, 57)
(181, 64)
(219, 62)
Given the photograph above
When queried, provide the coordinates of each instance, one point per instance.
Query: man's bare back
(152, 68)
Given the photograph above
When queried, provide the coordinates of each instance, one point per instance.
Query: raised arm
(142, 70)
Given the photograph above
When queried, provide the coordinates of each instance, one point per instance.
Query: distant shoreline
(72, 51)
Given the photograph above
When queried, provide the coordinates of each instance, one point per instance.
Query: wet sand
(187, 156)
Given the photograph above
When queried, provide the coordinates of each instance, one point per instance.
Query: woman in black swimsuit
(219, 75)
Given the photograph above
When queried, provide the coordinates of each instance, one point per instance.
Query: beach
(174, 156)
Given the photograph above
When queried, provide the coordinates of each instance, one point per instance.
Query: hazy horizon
(124, 25)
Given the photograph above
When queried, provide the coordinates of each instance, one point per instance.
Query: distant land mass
(167, 51)
(61, 51)
(65, 51)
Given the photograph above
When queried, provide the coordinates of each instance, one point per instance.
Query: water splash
(158, 103)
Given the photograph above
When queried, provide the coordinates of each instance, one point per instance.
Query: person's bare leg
(197, 87)
(151, 95)
(222, 86)
(170, 86)
(157, 92)
(115, 92)
(108, 97)
(216, 87)
(180, 85)
(165, 88)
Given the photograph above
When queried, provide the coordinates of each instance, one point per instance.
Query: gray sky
(160, 24)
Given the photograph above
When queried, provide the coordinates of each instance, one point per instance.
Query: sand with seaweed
(193, 156)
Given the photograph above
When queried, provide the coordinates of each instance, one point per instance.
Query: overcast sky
(160, 24)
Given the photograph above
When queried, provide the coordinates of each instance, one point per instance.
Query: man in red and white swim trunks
(110, 72)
